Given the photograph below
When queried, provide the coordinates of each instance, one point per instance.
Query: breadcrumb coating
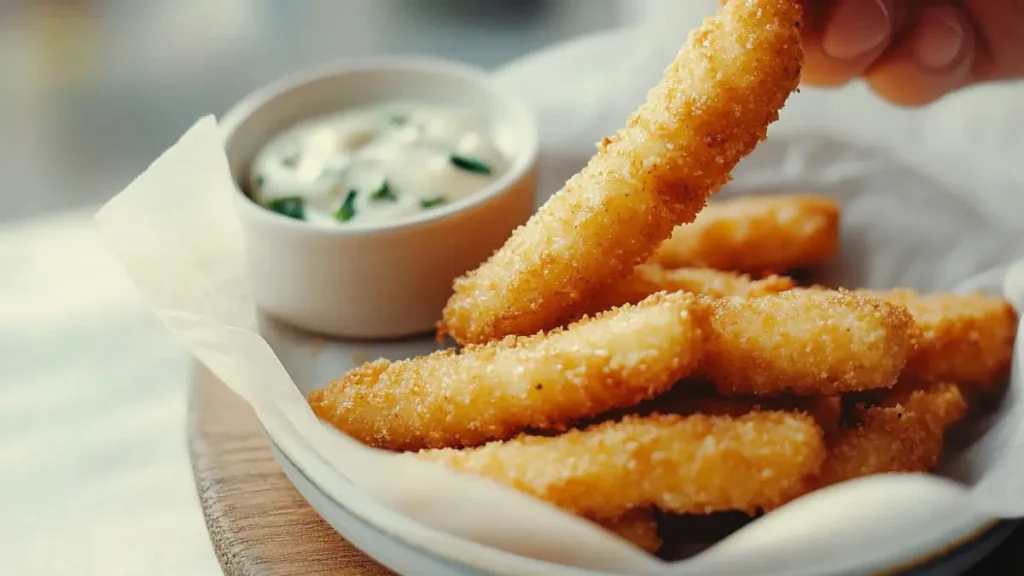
(825, 410)
(903, 434)
(813, 342)
(649, 279)
(756, 234)
(493, 391)
(712, 106)
(962, 338)
(693, 397)
(683, 464)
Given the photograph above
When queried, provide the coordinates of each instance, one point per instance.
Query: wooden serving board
(260, 525)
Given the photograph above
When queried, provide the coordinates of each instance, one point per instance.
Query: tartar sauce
(378, 164)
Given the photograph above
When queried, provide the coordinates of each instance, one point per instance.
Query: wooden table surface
(260, 525)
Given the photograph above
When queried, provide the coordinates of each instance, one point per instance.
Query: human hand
(913, 52)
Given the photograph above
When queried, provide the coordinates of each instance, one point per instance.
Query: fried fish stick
(649, 279)
(493, 391)
(711, 107)
(807, 342)
(903, 434)
(756, 234)
(683, 464)
(963, 338)
(636, 526)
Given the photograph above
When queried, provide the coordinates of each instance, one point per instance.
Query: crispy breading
(649, 279)
(691, 398)
(962, 338)
(712, 106)
(903, 434)
(493, 391)
(682, 464)
(756, 234)
(825, 410)
(637, 526)
(808, 342)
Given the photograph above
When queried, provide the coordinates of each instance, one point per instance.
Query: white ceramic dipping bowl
(376, 280)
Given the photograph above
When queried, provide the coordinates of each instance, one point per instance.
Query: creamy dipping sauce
(379, 164)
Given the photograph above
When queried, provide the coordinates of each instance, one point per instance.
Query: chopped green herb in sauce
(383, 193)
(431, 202)
(292, 207)
(385, 162)
(348, 208)
(469, 164)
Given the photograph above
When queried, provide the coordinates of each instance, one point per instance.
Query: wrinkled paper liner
(176, 234)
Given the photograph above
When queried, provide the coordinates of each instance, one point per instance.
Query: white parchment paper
(930, 200)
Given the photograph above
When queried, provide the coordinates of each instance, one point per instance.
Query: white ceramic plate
(311, 363)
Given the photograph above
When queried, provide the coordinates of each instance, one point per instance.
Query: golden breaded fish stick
(711, 107)
(683, 464)
(807, 342)
(636, 526)
(756, 234)
(963, 338)
(649, 279)
(903, 434)
(496, 390)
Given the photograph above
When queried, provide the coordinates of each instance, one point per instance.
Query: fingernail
(938, 40)
(856, 28)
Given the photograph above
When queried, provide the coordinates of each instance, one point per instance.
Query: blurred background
(93, 90)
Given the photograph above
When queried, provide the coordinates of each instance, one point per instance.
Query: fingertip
(824, 71)
(844, 42)
(935, 59)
